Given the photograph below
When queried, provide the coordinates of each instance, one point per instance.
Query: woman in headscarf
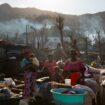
(74, 68)
(29, 65)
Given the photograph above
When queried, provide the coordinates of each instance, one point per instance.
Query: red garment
(74, 78)
(50, 65)
(75, 69)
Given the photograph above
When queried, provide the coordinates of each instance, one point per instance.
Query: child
(57, 75)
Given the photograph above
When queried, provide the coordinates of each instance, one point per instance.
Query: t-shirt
(73, 66)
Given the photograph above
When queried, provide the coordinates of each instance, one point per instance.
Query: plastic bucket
(68, 82)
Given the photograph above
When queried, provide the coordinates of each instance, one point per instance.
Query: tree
(60, 26)
(98, 41)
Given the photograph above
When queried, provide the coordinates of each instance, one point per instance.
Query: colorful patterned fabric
(29, 81)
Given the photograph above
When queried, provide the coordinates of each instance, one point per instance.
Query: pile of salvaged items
(11, 91)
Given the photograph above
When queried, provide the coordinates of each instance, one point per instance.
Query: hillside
(10, 17)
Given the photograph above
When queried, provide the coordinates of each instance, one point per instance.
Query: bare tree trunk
(86, 42)
(27, 27)
(99, 45)
(62, 41)
(60, 26)
(34, 40)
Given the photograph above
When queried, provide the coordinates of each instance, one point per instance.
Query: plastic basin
(68, 99)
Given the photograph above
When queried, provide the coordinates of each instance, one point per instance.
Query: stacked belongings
(10, 91)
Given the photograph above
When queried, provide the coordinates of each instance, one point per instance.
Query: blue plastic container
(68, 99)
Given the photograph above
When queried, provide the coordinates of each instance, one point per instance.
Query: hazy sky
(64, 6)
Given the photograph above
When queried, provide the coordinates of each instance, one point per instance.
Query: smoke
(96, 23)
(91, 24)
(18, 25)
(88, 24)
